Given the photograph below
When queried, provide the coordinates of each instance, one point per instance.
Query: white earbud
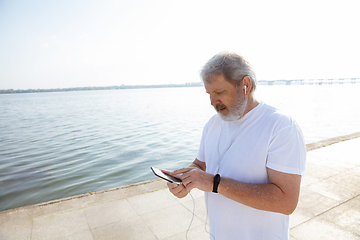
(245, 89)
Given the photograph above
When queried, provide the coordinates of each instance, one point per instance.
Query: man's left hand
(195, 178)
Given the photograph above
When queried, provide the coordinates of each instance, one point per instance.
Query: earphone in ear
(245, 89)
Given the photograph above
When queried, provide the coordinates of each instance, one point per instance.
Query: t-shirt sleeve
(201, 153)
(287, 151)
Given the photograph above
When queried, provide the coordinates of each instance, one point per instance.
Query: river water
(55, 145)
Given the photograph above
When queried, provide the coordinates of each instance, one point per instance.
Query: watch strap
(216, 183)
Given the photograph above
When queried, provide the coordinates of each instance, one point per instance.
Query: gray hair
(233, 66)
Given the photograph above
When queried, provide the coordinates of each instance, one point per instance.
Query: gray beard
(235, 111)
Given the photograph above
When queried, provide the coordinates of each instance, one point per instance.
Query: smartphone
(164, 176)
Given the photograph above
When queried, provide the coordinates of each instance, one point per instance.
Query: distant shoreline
(192, 84)
(10, 91)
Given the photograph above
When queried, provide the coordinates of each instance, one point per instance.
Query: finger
(172, 185)
(181, 191)
(181, 171)
(185, 178)
(165, 171)
(178, 191)
(182, 194)
(190, 187)
(186, 181)
(168, 172)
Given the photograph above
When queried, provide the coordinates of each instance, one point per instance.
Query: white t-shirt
(263, 138)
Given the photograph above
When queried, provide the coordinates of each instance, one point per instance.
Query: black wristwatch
(216, 183)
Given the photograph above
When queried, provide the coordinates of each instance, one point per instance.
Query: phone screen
(164, 176)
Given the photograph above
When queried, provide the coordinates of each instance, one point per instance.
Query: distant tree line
(7, 91)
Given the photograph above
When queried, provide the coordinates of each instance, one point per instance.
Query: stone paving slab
(329, 206)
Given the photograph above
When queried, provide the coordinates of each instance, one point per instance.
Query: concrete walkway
(329, 207)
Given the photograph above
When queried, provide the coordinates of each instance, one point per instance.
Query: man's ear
(247, 83)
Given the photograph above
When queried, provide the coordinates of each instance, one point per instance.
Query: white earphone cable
(192, 216)
(206, 194)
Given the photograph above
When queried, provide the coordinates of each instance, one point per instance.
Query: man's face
(228, 101)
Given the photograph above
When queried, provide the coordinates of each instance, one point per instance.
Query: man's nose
(214, 100)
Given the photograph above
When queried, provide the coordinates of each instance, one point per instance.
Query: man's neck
(251, 104)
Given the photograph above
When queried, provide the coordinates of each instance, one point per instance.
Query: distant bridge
(310, 81)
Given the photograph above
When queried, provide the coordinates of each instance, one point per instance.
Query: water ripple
(55, 145)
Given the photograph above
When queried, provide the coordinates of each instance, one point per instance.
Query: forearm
(198, 164)
(280, 194)
(268, 197)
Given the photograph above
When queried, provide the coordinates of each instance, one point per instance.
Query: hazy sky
(77, 43)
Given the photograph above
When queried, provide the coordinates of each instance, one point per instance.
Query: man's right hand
(178, 190)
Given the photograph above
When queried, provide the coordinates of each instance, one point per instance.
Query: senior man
(250, 160)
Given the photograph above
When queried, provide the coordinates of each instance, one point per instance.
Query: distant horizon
(90, 88)
(317, 81)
